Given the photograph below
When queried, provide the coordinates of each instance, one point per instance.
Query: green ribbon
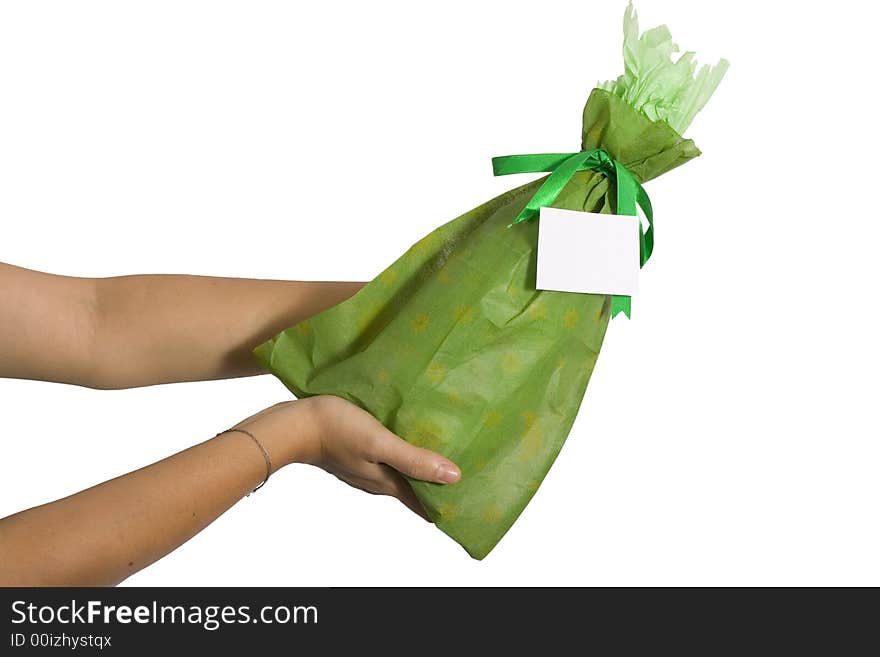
(563, 166)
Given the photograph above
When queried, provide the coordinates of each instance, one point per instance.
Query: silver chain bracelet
(262, 449)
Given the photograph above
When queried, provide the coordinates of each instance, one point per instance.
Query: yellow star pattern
(424, 435)
(420, 323)
(425, 244)
(493, 419)
(418, 438)
(447, 511)
(510, 363)
(464, 314)
(529, 418)
(388, 277)
(436, 373)
(537, 310)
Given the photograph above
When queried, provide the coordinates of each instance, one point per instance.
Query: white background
(729, 434)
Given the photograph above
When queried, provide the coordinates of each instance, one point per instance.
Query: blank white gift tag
(587, 252)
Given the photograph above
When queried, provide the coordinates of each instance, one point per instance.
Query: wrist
(286, 431)
(308, 428)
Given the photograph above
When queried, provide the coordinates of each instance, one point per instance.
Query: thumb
(413, 461)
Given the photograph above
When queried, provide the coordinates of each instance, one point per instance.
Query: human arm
(104, 534)
(130, 331)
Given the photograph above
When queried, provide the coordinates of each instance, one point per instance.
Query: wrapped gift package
(452, 346)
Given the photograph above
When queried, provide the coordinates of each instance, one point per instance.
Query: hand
(349, 443)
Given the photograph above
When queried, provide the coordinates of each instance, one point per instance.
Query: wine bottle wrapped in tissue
(454, 349)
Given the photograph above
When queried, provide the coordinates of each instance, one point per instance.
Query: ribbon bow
(563, 166)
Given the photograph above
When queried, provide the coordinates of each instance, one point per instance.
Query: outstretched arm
(103, 534)
(131, 331)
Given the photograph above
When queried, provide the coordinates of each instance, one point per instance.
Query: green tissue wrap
(672, 92)
(453, 349)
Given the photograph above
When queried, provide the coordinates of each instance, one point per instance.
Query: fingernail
(447, 473)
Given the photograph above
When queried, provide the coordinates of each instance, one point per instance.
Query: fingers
(380, 479)
(412, 461)
(402, 491)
